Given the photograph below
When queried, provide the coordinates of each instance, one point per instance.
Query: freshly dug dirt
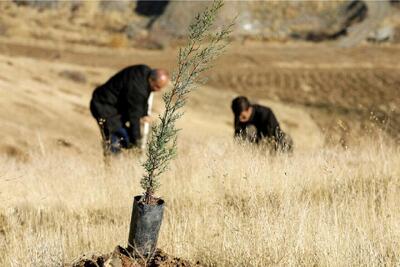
(120, 258)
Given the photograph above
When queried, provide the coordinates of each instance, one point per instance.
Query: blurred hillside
(155, 24)
(273, 57)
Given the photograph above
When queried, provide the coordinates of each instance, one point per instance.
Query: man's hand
(147, 119)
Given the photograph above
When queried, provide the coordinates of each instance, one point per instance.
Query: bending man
(121, 103)
(263, 120)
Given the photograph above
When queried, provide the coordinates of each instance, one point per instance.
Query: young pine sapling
(193, 59)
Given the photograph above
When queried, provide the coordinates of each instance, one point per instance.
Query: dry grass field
(333, 202)
(227, 205)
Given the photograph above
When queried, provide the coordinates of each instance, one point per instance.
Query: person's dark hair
(240, 104)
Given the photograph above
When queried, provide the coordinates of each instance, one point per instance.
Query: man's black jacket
(265, 122)
(123, 98)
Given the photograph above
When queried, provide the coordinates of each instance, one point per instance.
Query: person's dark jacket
(123, 98)
(264, 120)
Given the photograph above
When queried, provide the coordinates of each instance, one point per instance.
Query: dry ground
(226, 206)
(333, 202)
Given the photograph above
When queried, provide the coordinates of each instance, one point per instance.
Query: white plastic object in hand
(146, 125)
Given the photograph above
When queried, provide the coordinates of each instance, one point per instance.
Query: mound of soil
(120, 258)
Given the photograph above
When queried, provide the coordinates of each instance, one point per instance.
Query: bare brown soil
(346, 90)
(119, 257)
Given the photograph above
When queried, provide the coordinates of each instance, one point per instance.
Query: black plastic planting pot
(145, 226)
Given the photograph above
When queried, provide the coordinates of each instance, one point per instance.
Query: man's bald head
(158, 79)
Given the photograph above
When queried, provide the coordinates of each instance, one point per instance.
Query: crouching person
(258, 124)
(120, 104)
